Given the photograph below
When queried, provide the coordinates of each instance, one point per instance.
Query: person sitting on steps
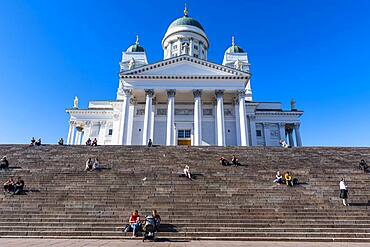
(235, 161)
(88, 142)
(284, 144)
(33, 141)
(38, 142)
(134, 224)
(187, 172)
(279, 178)
(150, 143)
(9, 185)
(4, 163)
(89, 164)
(94, 142)
(363, 166)
(96, 164)
(61, 142)
(157, 219)
(18, 186)
(288, 179)
(224, 161)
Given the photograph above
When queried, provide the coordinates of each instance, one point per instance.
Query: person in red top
(134, 222)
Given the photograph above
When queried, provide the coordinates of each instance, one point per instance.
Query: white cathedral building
(184, 99)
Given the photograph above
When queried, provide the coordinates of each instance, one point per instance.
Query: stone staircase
(222, 203)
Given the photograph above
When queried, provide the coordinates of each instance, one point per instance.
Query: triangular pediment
(185, 66)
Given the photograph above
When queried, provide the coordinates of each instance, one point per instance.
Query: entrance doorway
(184, 137)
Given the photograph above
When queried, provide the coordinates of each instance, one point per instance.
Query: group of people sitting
(15, 187)
(150, 224)
(363, 166)
(4, 163)
(92, 165)
(92, 143)
(225, 162)
(287, 179)
(34, 142)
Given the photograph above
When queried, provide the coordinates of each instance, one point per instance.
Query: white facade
(184, 100)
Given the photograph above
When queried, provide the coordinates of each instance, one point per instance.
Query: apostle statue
(292, 105)
(75, 103)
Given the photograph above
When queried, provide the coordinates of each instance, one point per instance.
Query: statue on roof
(292, 105)
(75, 103)
(131, 63)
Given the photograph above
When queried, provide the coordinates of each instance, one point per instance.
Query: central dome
(186, 21)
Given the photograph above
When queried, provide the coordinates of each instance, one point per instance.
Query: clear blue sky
(316, 51)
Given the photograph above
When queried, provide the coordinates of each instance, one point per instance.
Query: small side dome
(234, 48)
(136, 47)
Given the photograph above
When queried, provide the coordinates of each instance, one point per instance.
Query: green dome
(235, 49)
(135, 48)
(186, 21)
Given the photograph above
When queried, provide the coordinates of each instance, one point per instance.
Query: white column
(220, 118)
(147, 115)
(169, 55)
(237, 121)
(191, 48)
(78, 135)
(71, 132)
(102, 132)
(282, 131)
(170, 137)
(297, 135)
(252, 122)
(200, 50)
(197, 117)
(266, 133)
(178, 47)
(243, 121)
(124, 117)
(152, 114)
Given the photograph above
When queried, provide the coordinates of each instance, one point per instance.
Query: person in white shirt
(96, 164)
(283, 144)
(279, 178)
(187, 172)
(89, 164)
(343, 191)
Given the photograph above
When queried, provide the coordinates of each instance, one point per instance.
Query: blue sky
(315, 51)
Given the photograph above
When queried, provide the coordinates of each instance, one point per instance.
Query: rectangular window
(110, 132)
(184, 111)
(183, 134)
(195, 47)
(161, 112)
(140, 111)
(207, 112)
(258, 132)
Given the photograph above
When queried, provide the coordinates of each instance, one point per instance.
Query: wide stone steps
(222, 203)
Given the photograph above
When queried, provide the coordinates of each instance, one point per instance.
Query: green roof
(135, 48)
(235, 49)
(186, 21)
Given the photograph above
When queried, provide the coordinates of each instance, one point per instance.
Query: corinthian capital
(149, 92)
(241, 93)
(171, 93)
(127, 92)
(219, 93)
(197, 93)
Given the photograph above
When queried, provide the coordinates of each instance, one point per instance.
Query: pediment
(185, 66)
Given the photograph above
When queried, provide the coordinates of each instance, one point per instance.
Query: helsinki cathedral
(185, 99)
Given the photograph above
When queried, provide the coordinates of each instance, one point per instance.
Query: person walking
(343, 192)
